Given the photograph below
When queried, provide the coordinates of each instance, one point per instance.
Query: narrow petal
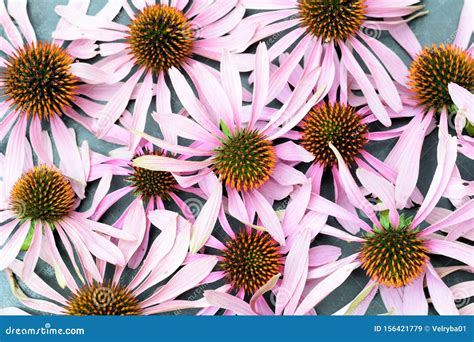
(228, 302)
(441, 295)
(414, 300)
(325, 287)
(206, 220)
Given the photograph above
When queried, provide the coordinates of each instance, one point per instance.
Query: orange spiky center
(152, 184)
(332, 19)
(338, 124)
(394, 256)
(432, 71)
(42, 193)
(161, 37)
(245, 160)
(250, 260)
(103, 300)
(38, 80)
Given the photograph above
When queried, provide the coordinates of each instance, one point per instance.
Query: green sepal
(384, 219)
(225, 129)
(29, 238)
(469, 129)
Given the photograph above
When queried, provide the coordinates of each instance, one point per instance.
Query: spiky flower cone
(251, 260)
(161, 38)
(332, 19)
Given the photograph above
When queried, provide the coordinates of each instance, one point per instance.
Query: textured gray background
(439, 26)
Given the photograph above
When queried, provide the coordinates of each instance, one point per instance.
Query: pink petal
(466, 25)
(392, 298)
(116, 105)
(366, 87)
(135, 224)
(459, 216)
(414, 301)
(267, 215)
(322, 205)
(382, 189)
(261, 84)
(296, 265)
(206, 220)
(228, 302)
(452, 249)
(31, 256)
(185, 279)
(292, 152)
(446, 162)
(352, 190)
(441, 295)
(325, 287)
(322, 255)
(10, 251)
(161, 163)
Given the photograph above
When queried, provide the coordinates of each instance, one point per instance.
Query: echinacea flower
(40, 80)
(250, 260)
(395, 253)
(350, 131)
(150, 189)
(39, 201)
(326, 32)
(115, 295)
(238, 146)
(161, 35)
(439, 81)
(296, 303)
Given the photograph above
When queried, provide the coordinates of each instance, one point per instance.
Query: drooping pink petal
(325, 287)
(207, 218)
(414, 301)
(161, 163)
(185, 279)
(267, 215)
(322, 255)
(441, 295)
(452, 249)
(261, 84)
(382, 189)
(10, 251)
(229, 302)
(352, 190)
(366, 87)
(466, 25)
(135, 224)
(295, 265)
(322, 205)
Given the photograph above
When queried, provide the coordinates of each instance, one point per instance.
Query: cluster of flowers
(247, 222)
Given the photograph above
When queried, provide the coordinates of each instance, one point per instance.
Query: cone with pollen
(37, 79)
(251, 260)
(152, 184)
(245, 160)
(338, 124)
(432, 71)
(103, 300)
(161, 38)
(42, 193)
(394, 257)
(332, 19)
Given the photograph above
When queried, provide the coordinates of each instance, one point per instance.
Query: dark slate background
(438, 27)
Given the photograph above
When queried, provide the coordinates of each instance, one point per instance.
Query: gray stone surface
(439, 26)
